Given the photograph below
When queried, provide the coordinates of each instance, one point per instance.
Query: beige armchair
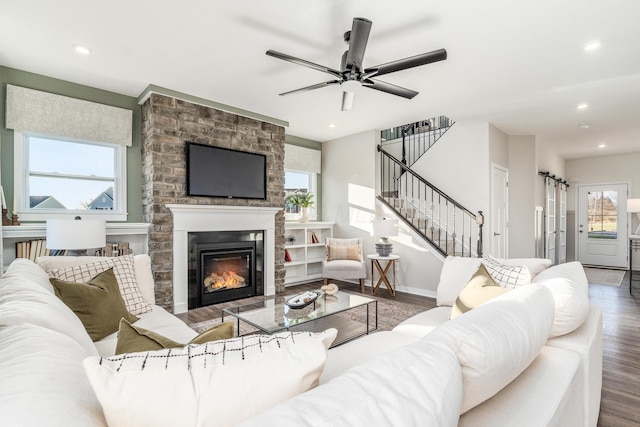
(344, 261)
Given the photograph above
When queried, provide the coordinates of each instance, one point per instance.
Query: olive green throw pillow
(480, 289)
(98, 304)
(133, 339)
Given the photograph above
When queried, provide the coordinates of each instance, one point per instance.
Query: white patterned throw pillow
(219, 383)
(507, 276)
(124, 271)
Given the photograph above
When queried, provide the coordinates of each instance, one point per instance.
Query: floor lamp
(633, 206)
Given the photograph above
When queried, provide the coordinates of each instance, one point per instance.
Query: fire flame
(228, 279)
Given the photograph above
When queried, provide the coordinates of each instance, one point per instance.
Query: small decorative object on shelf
(14, 219)
(314, 237)
(303, 201)
(290, 239)
(287, 256)
(115, 249)
(5, 218)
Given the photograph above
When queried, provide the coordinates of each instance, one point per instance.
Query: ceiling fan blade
(304, 63)
(389, 88)
(347, 100)
(312, 87)
(358, 42)
(412, 61)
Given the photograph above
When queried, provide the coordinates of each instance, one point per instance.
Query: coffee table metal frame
(272, 315)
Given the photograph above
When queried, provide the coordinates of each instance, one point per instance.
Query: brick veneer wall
(168, 123)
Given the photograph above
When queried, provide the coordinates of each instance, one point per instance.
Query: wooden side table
(377, 262)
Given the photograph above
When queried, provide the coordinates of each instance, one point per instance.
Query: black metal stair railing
(415, 139)
(450, 227)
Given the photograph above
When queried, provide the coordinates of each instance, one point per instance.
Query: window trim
(20, 180)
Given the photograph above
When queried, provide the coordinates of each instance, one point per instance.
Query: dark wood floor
(620, 405)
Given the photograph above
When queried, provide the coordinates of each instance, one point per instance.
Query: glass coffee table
(352, 315)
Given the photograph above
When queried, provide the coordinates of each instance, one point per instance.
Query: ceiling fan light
(351, 85)
(347, 100)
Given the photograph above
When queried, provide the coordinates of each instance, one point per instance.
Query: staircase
(448, 226)
(409, 142)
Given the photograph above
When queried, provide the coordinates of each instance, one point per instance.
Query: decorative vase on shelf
(305, 214)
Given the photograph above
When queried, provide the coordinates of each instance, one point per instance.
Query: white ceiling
(520, 65)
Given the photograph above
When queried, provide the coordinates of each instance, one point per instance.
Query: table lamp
(76, 235)
(384, 228)
(633, 206)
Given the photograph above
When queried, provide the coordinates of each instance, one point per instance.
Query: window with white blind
(55, 176)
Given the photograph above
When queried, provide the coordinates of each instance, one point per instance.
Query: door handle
(495, 234)
(581, 231)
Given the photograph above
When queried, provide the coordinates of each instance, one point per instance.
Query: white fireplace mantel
(200, 218)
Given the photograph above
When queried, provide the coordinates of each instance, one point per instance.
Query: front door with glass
(602, 225)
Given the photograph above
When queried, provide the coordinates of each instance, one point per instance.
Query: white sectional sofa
(494, 365)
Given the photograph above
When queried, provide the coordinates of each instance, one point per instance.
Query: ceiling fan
(352, 75)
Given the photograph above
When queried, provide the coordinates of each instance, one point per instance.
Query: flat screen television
(221, 172)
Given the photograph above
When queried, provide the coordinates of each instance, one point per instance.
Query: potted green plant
(304, 201)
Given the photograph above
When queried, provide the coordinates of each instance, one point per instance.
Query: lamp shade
(633, 205)
(385, 227)
(76, 234)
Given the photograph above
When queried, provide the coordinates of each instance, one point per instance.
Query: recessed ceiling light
(83, 50)
(602, 145)
(583, 125)
(332, 125)
(592, 46)
(582, 106)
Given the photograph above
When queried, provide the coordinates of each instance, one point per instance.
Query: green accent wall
(74, 90)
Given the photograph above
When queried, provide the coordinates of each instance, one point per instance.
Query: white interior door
(550, 220)
(562, 224)
(499, 211)
(602, 225)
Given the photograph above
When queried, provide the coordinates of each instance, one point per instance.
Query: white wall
(458, 164)
(522, 184)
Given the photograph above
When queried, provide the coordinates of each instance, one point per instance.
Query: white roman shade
(302, 159)
(45, 113)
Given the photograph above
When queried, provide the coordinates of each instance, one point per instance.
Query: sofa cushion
(480, 289)
(498, 340)
(570, 289)
(24, 301)
(456, 272)
(423, 323)
(343, 252)
(547, 393)
(123, 268)
(415, 385)
(42, 381)
(133, 339)
(27, 269)
(98, 303)
(223, 382)
(158, 320)
(507, 276)
(344, 357)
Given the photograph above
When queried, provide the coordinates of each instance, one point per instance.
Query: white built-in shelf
(136, 233)
(306, 257)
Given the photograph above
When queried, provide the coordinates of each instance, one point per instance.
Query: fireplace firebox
(223, 268)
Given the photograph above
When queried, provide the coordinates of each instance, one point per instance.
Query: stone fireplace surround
(198, 218)
(167, 124)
